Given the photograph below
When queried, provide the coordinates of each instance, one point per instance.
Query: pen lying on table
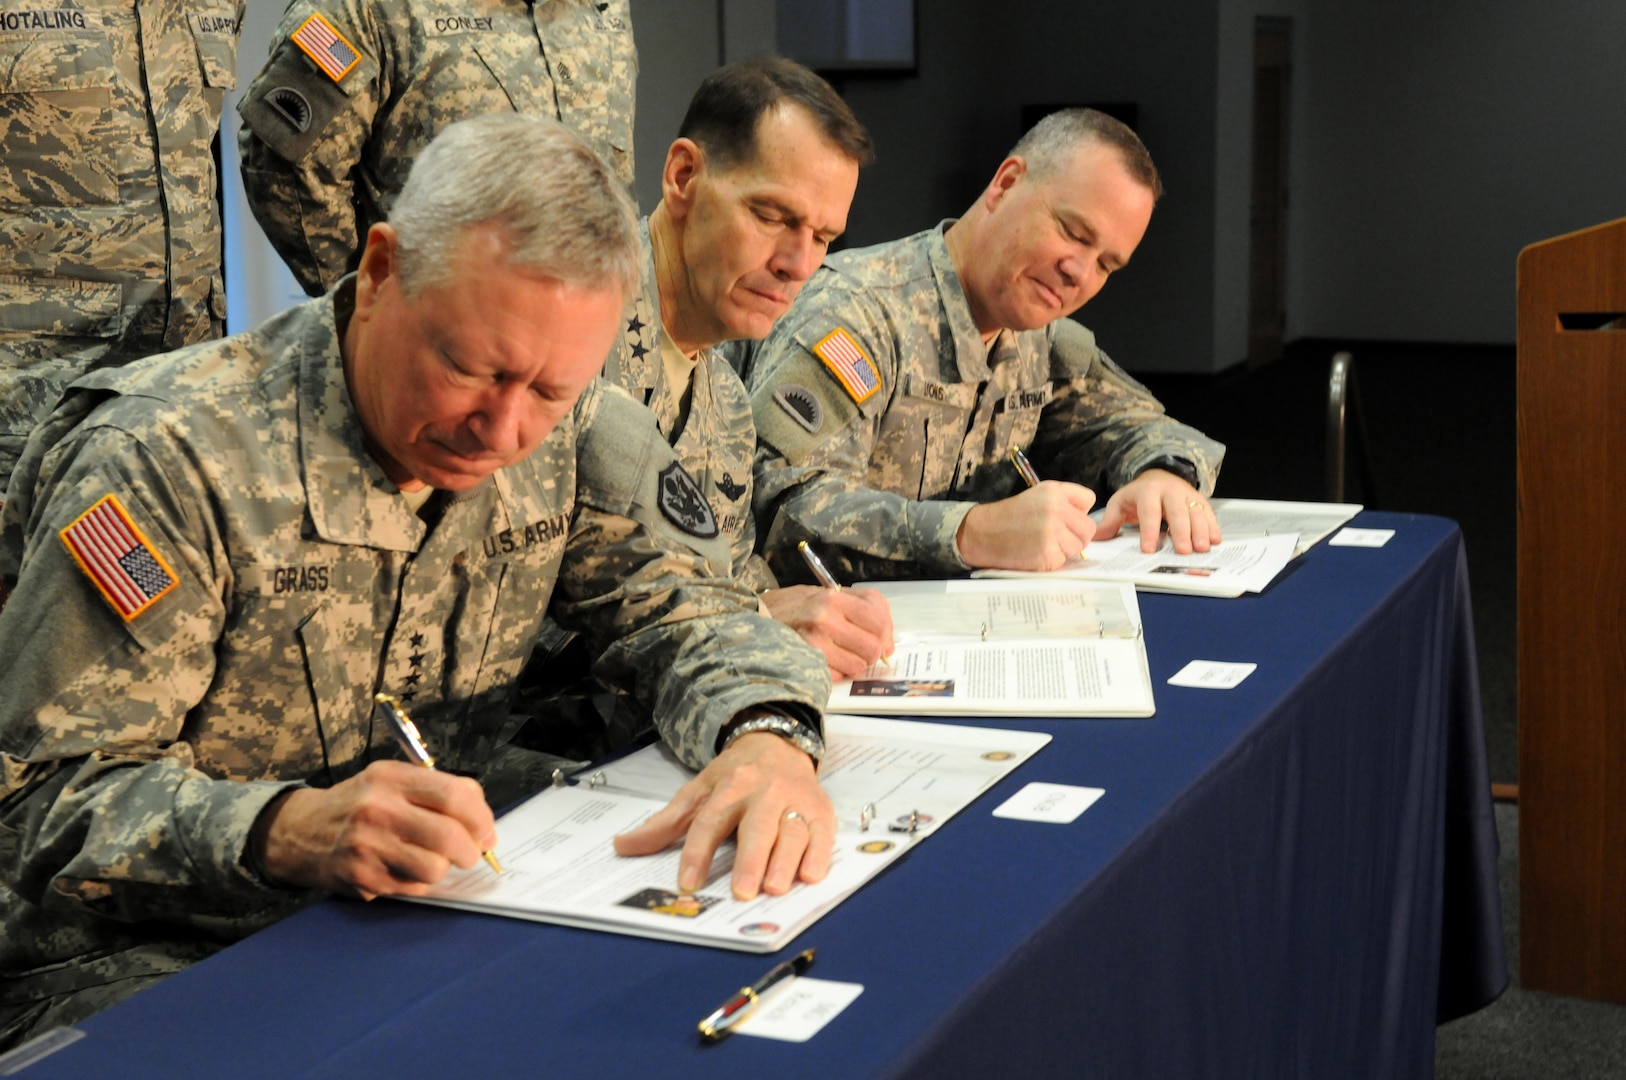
(717, 1026)
(406, 733)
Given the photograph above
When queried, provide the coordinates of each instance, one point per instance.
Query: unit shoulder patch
(683, 504)
(327, 48)
(802, 405)
(848, 362)
(114, 553)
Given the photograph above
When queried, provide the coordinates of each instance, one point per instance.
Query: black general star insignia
(729, 488)
(683, 504)
(417, 641)
(639, 351)
(635, 325)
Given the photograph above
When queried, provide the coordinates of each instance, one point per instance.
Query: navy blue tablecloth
(1294, 878)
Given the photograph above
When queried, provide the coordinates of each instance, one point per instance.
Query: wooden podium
(1572, 614)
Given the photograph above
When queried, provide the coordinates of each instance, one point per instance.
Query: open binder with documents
(985, 647)
(892, 784)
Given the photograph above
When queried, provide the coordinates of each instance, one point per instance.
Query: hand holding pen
(406, 733)
(1041, 528)
(851, 627)
(394, 828)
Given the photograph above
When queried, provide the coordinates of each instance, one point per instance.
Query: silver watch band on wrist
(807, 740)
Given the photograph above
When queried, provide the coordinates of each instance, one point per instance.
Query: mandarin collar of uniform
(970, 354)
(643, 372)
(349, 498)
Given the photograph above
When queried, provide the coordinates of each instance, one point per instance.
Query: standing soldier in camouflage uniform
(107, 190)
(225, 551)
(354, 89)
(889, 400)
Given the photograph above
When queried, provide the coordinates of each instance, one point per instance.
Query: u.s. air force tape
(683, 505)
(802, 405)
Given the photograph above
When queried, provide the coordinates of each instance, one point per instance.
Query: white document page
(1240, 519)
(984, 647)
(1230, 568)
(560, 866)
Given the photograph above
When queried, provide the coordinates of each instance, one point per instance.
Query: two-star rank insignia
(115, 555)
(683, 504)
(849, 363)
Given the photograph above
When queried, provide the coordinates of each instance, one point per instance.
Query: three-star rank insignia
(848, 362)
(683, 504)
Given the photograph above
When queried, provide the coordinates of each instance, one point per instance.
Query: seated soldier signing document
(219, 555)
(889, 401)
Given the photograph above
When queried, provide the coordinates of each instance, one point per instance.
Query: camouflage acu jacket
(215, 578)
(355, 88)
(882, 418)
(107, 189)
(717, 439)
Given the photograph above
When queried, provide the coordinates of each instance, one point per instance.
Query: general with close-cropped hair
(220, 555)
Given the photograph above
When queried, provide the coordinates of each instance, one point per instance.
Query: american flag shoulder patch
(114, 553)
(326, 47)
(848, 362)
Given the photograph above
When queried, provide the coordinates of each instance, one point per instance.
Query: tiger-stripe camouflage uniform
(215, 579)
(107, 190)
(354, 89)
(882, 418)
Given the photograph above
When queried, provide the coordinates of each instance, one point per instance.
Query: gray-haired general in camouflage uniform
(355, 88)
(214, 571)
(107, 190)
(885, 414)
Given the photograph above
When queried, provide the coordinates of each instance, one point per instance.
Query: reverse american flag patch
(848, 363)
(326, 47)
(116, 557)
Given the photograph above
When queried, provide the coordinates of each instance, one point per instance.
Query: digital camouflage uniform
(880, 462)
(324, 157)
(107, 190)
(292, 581)
(715, 440)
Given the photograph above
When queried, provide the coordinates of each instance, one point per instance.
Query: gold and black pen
(406, 733)
(723, 1019)
(1023, 466)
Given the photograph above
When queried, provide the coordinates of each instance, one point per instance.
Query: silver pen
(814, 563)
